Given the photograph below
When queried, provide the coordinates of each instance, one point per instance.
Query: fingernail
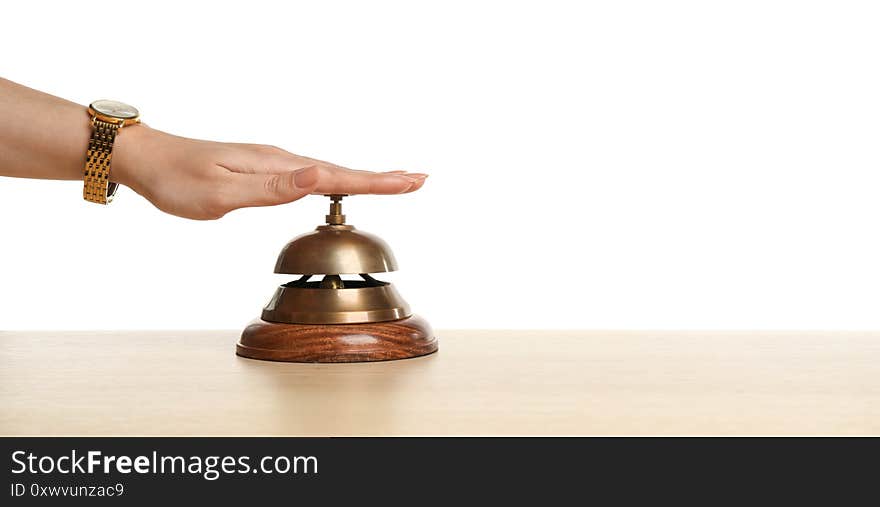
(420, 176)
(409, 183)
(306, 177)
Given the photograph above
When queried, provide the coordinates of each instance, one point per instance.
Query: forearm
(41, 136)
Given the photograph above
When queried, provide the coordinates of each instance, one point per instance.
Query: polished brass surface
(335, 249)
(359, 302)
(335, 217)
(332, 282)
(329, 251)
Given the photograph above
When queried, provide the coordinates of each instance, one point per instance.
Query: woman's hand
(42, 136)
(204, 180)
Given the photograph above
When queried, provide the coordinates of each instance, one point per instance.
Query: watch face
(115, 109)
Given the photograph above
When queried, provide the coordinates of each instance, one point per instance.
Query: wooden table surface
(480, 383)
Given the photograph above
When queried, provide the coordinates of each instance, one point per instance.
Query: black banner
(134, 471)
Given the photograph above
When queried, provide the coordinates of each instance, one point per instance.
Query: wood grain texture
(337, 343)
(479, 383)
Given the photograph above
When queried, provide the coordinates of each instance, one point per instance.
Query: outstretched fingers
(338, 180)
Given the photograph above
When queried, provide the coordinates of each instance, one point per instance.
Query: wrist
(131, 143)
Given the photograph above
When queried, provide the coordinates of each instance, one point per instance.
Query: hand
(204, 180)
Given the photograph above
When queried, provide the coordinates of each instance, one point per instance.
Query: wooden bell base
(337, 343)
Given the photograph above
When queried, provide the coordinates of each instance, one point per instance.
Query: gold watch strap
(97, 186)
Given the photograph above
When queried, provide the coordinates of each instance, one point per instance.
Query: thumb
(272, 189)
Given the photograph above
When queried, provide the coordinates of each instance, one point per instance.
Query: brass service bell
(325, 316)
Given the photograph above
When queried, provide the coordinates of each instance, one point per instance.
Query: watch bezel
(95, 110)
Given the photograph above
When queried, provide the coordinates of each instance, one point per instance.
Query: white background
(593, 165)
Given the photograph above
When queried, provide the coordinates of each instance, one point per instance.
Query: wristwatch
(108, 116)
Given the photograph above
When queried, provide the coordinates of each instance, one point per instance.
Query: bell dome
(335, 250)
